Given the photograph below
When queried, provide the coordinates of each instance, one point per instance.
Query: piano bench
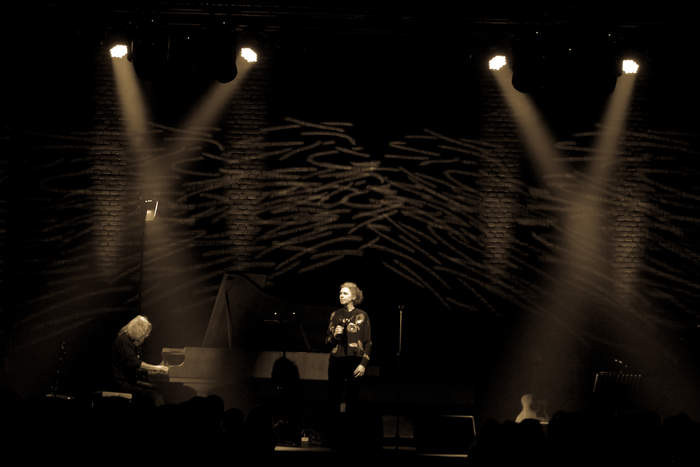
(123, 395)
(100, 398)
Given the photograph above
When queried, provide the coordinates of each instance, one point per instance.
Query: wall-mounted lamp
(151, 209)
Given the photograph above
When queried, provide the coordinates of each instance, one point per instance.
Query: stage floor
(322, 455)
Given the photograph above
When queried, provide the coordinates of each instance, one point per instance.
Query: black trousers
(342, 385)
(355, 430)
(145, 394)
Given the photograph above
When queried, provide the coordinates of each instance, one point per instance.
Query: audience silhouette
(572, 438)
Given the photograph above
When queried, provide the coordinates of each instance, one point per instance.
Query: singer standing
(349, 337)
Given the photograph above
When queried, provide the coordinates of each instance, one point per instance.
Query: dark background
(78, 261)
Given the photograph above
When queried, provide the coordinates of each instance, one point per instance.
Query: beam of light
(135, 118)
(612, 127)
(249, 55)
(585, 243)
(118, 51)
(166, 246)
(583, 262)
(539, 142)
(600, 171)
(497, 62)
(211, 106)
(133, 109)
(629, 67)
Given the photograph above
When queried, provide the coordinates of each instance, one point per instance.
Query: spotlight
(220, 49)
(119, 50)
(117, 40)
(530, 61)
(223, 63)
(249, 46)
(497, 62)
(151, 209)
(249, 55)
(629, 66)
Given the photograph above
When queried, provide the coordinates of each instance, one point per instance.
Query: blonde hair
(138, 328)
(355, 291)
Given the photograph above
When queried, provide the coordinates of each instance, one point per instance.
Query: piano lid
(239, 305)
(245, 316)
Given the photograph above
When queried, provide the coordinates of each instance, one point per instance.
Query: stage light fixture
(530, 60)
(561, 60)
(117, 39)
(219, 49)
(249, 54)
(629, 66)
(119, 50)
(223, 63)
(497, 62)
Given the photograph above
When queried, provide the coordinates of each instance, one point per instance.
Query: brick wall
(450, 219)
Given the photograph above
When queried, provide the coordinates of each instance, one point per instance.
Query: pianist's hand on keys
(159, 370)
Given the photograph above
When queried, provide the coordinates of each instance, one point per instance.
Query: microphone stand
(398, 372)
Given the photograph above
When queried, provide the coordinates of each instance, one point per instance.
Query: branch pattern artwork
(456, 218)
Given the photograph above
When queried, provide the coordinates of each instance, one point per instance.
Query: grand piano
(251, 338)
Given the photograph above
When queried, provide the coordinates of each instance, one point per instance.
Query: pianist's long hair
(138, 328)
(355, 291)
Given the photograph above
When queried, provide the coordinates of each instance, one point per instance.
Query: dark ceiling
(364, 13)
(437, 18)
(490, 12)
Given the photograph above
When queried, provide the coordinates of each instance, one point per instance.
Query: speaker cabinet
(444, 433)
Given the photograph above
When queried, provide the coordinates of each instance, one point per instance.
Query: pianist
(129, 371)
